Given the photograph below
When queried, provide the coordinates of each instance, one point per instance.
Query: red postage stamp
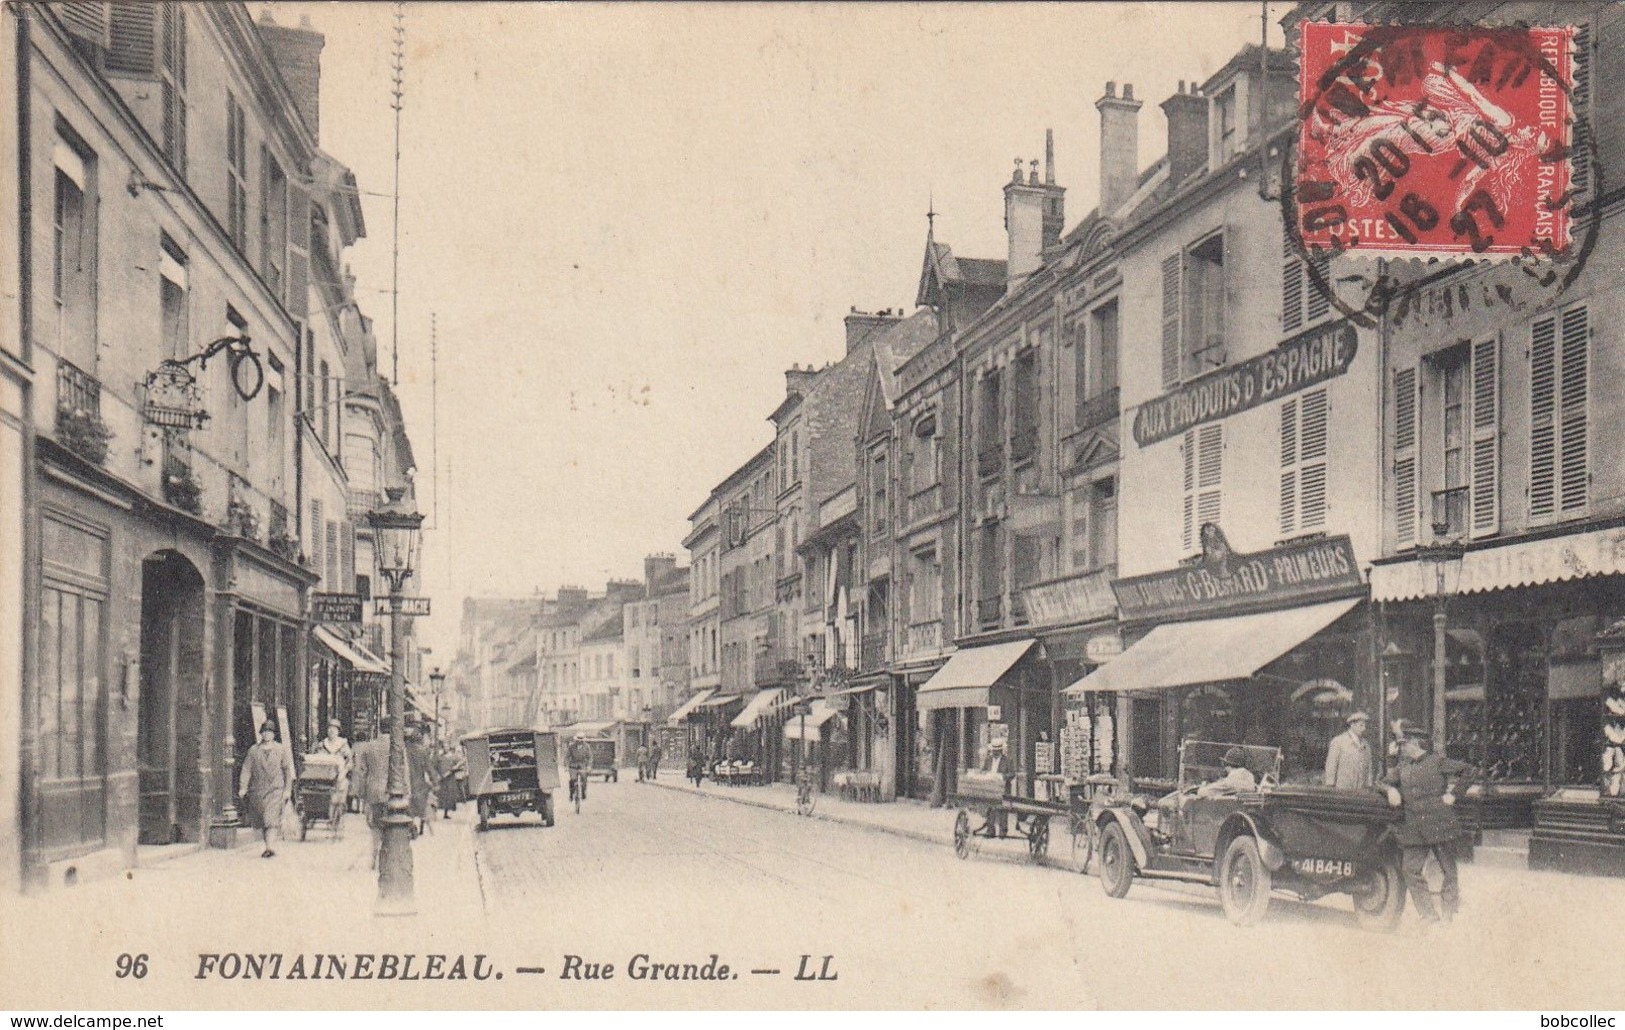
(1418, 140)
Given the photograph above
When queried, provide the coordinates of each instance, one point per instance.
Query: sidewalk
(903, 818)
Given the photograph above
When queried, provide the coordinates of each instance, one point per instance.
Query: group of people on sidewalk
(648, 761)
(435, 779)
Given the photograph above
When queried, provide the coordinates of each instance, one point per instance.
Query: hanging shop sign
(403, 605)
(335, 607)
(1307, 359)
(1078, 599)
(1103, 647)
(1223, 580)
(172, 399)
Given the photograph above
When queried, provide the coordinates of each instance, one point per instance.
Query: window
(1225, 124)
(326, 423)
(879, 513)
(333, 556)
(1024, 408)
(1103, 338)
(347, 555)
(1303, 462)
(71, 720)
(632, 662)
(73, 245)
(1203, 455)
(1094, 525)
(990, 424)
(316, 534)
(924, 587)
(795, 456)
(1559, 470)
(172, 289)
(275, 416)
(236, 174)
(1449, 508)
(1304, 300)
(989, 572)
(310, 376)
(1204, 300)
(1486, 438)
(172, 74)
(273, 221)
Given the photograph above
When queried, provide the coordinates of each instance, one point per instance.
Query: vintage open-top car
(1308, 841)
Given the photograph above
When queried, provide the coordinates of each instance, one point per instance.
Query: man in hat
(266, 783)
(1426, 785)
(1237, 778)
(998, 761)
(1348, 759)
(371, 781)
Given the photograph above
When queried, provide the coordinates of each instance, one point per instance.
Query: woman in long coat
(266, 783)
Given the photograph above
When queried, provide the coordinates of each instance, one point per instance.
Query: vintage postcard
(812, 506)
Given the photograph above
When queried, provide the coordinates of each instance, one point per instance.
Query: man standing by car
(1348, 759)
(1422, 784)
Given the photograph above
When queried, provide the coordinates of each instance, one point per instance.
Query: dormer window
(1226, 132)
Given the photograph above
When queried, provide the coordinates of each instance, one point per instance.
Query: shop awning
(765, 703)
(688, 706)
(359, 657)
(1183, 654)
(587, 729)
(1531, 563)
(719, 701)
(965, 681)
(417, 703)
(818, 713)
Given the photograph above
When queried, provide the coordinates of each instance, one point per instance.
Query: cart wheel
(485, 815)
(1038, 837)
(1380, 900)
(962, 834)
(1244, 882)
(1116, 862)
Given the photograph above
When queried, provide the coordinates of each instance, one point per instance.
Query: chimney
(799, 380)
(297, 54)
(1033, 215)
(1119, 147)
(862, 325)
(571, 599)
(1187, 132)
(657, 567)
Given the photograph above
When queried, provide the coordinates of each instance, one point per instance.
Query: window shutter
(1291, 286)
(1580, 151)
(332, 554)
(1317, 302)
(347, 553)
(1187, 452)
(1486, 499)
(298, 278)
(1575, 472)
(1405, 507)
(1543, 418)
(1170, 319)
(1209, 469)
(132, 38)
(1313, 414)
(1289, 467)
(87, 21)
(316, 534)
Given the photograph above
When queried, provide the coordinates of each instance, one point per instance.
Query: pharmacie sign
(1306, 360)
(1312, 570)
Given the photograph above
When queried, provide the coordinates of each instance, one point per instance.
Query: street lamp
(396, 530)
(1443, 562)
(437, 683)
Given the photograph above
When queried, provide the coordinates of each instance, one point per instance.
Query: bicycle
(805, 798)
(578, 787)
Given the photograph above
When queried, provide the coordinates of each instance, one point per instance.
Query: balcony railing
(1450, 513)
(76, 389)
(925, 503)
(1099, 409)
(1018, 610)
(988, 612)
(925, 636)
(872, 652)
(990, 460)
(773, 666)
(1023, 444)
(363, 501)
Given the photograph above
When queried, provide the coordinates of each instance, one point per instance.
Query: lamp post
(396, 530)
(1443, 560)
(437, 683)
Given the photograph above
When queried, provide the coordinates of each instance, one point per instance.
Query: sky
(624, 222)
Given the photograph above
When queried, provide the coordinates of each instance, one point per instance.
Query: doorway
(169, 744)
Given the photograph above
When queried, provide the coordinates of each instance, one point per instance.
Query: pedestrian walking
(1426, 786)
(336, 745)
(643, 761)
(419, 778)
(696, 765)
(371, 782)
(266, 783)
(654, 759)
(1348, 758)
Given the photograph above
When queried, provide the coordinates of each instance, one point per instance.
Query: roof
(942, 266)
(906, 339)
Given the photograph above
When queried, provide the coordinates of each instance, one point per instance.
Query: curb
(862, 824)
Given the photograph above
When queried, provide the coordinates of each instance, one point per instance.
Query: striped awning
(357, 656)
(765, 703)
(689, 706)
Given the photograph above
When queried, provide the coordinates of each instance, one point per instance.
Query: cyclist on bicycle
(578, 757)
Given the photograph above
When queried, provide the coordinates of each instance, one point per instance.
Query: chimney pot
(1128, 91)
(1119, 148)
(1111, 89)
(1187, 133)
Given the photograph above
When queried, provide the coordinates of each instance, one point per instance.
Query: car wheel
(1244, 882)
(1116, 862)
(1379, 900)
(962, 834)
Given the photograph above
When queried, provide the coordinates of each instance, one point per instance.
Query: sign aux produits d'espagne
(1305, 360)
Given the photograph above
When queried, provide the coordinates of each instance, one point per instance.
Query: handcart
(986, 806)
(321, 793)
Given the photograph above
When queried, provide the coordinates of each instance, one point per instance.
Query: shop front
(346, 683)
(755, 737)
(684, 730)
(814, 735)
(995, 692)
(1527, 640)
(1273, 648)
